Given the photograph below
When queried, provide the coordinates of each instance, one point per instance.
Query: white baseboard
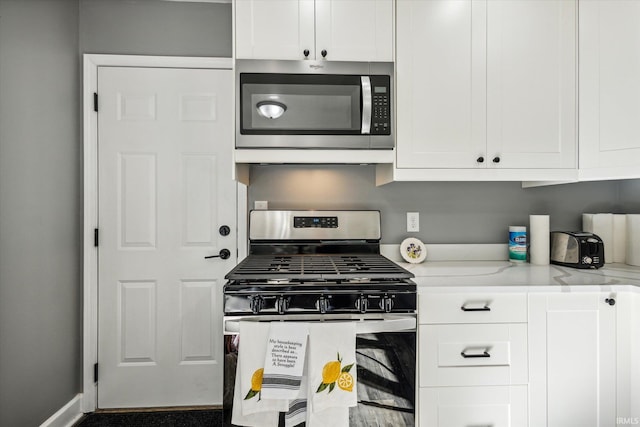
(67, 415)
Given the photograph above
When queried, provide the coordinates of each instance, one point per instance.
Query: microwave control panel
(381, 108)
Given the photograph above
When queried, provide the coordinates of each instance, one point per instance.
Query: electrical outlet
(413, 222)
(261, 205)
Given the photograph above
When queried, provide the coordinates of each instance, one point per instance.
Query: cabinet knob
(480, 159)
(496, 159)
(306, 53)
(610, 301)
(324, 53)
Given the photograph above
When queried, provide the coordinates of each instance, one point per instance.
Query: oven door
(385, 359)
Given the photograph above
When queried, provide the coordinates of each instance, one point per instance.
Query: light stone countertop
(510, 276)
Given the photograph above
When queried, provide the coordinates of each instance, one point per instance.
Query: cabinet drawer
(473, 406)
(477, 354)
(472, 308)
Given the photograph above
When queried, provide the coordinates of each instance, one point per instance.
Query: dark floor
(196, 418)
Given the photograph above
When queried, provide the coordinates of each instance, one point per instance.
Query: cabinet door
(610, 87)
(440, 80)
(572, 356)
(473, 406)
(274, 29)
(531, 83)
(354, 30)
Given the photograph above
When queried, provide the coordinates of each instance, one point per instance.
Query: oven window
(295, 106)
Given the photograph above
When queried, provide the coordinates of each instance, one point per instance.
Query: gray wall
(450, 212)
(144, 27)
(40, 174)
(630, 196)
(40, 292)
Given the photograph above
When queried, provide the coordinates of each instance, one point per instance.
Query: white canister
(517, 243)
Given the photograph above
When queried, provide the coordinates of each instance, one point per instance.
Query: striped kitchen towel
(284, 360)
(297, 413)
(253, 343)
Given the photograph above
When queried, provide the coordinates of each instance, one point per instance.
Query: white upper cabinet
(531, 83)
(486, 84)
(274, 29)
(609, 89)
(440, 82)
(338, 30)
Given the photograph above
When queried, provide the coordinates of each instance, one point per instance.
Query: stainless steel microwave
(314, 104)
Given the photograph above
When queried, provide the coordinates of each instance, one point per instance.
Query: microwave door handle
(366, 105)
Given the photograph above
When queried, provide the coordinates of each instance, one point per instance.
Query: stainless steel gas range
(326, 266)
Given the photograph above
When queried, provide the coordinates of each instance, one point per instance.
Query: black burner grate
(317, 267)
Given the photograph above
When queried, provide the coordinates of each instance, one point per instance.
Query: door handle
(223, 254)
(366, 105)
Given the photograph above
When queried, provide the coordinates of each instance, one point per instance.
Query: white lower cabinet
(503, 406)
(564, 358)
(572, 354)
(472, 359)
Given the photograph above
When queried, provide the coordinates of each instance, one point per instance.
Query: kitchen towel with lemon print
(251, 355)
(332, 372)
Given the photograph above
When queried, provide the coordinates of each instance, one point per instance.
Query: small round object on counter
(413, 250)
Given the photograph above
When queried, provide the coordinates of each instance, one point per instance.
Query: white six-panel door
(165, 188)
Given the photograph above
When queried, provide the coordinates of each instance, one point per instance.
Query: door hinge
(95, 101)
(95, 237)
(95, 372)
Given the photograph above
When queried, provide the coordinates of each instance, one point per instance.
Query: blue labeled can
(517, 243)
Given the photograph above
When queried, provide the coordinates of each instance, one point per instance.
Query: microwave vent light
(271, 109)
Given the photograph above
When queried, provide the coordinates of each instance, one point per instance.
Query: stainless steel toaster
(578, 249)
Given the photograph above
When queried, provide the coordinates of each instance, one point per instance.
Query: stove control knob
(386, 304)
(282, 304)
(256, 303)
(323, 304)
(362, 304)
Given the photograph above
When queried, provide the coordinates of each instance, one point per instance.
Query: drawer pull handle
(470, 356)
(485, 308)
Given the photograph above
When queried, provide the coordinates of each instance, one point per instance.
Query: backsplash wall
(450, 212)
(630, 196)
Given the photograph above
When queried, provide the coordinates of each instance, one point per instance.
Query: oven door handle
(366, 105)
(363, 325)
